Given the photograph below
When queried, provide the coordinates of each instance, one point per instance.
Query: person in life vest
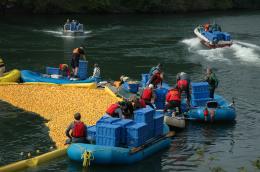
(155, 69)
(65, 71)
(206, 27)
(116, 109)
(148, 95)
(156, 79)
(2, 67)
(212, 79)
(137, 102)
(173, 99)
(76, 55)
(183, 83)
(76, 131)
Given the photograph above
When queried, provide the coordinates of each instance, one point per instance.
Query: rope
(87, 156)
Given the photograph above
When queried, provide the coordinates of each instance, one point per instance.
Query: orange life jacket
(147, 94)
(111, 110)
(79, 129)
(173, 95)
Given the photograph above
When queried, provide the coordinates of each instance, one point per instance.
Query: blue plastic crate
(133, 88)
(136, 130)
(123, 123)
(160, 105)
(107, 141)
(108, 130)
(106, 119)
(52, 70)
(199, 102)
(200, 95)
(144, 115)
(91, 130)
(158, 120)
(199, 87)
(83, 64)
(161, 94)
(158, 131)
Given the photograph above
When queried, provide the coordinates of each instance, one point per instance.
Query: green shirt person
(212, 79)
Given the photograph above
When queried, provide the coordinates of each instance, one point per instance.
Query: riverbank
(57, 104)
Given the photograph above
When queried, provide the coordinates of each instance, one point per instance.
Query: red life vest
(147, 94)
(78, 129)
(142, 103)
(111, 110)
(173, 95)
(182, 84)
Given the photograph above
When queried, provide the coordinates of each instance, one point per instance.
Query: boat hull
(116, 155)
(224, 112)
(73, 33)
(12, 76)
(210, 44)
(30, 76)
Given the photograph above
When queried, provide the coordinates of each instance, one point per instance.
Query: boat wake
(242, 51)
(59, 33)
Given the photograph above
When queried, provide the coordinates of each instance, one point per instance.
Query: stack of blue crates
(123, 123)
(158, 124)
(52, 70)
(200, 93)
(131, 87)
(107, 120)
(91, 130)
(136, 134)
(160, 97)
(145, 115)
(83, 69)
(108, 134)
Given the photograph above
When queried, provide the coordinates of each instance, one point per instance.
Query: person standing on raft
(76, 131)
(76, 55)
(212, 79)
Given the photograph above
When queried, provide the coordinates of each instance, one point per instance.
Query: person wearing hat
(76, 131)
(77, 53)
(116, 109)
(2, 67)
(148, 95)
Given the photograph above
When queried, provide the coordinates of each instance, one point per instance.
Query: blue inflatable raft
(217, 109)
(30, 76)
(118, 155)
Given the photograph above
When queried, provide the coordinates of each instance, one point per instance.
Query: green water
(130, 45)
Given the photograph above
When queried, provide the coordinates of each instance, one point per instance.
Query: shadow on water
(21, 133)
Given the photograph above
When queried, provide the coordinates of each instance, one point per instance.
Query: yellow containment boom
(109, 91)
(33, 162)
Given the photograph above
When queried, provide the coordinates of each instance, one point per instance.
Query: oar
(137, 149)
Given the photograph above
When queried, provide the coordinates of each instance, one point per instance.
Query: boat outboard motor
(212, 104)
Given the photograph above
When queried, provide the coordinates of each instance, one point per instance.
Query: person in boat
(76, 131)
(128, 111)
(67, 25)
(206, 27)
(96, 71)
(73, 25)
(155, 69)
(116, 110)
(156, 79)
(137, 102)
(212, 79)
(76, 55)
(183, 84)
(2, 67)
(148, 95)
(173, 99)
(65, 71)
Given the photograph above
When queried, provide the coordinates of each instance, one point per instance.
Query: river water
(130, 45)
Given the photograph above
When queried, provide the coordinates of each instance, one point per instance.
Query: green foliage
(256, 163)
(217, 169)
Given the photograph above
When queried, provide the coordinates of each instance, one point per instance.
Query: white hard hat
(150, 86)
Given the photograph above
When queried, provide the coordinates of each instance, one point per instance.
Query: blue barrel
(83, 69)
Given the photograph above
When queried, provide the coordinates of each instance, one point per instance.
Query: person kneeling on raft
(137, 103)
(116, 110)
(183, 83)
(65, 71)
(76, 131)
(148, 95)
(173, 99)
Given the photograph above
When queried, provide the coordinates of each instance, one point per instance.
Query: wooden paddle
(153, 141)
